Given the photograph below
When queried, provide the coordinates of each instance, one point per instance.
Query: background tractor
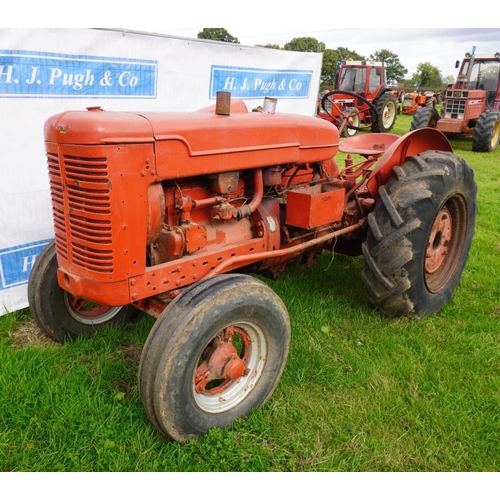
(362, 99)
(471, 105)
(177, 214)
(412, 101)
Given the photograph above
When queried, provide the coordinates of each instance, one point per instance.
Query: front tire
(216, 352)
(60, 315)
(431, 102)
(387, 111)
(425, 117)
(353, 123)
(420, 233)
(487, 132)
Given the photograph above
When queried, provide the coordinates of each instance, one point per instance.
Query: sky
(441, 47)
(279, 21)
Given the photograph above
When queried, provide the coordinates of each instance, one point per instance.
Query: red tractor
(176, 214)
(361, 100)
(471, 105)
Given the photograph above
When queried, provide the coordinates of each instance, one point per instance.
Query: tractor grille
(328, 107)
(81, 207)
(455, 108)
(340, 104)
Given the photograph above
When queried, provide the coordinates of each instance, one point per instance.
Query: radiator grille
(81, 207)
(455, 108)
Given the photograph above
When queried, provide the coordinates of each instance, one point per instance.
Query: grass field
(360, 392)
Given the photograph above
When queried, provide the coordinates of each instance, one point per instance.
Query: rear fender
(412, 143)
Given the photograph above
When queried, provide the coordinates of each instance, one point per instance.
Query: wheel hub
(222, 362)
(439, 241)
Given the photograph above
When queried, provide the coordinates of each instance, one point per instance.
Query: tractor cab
(363, 77)
(481, 73)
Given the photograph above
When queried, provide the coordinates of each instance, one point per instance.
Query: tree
(219, 34)
(305, 44)
(270, 46)
(329, 69)
(427, 76)
(343, 54)
(332, 58)
(448, 80)
(394, 69)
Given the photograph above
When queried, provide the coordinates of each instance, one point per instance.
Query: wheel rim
(229, 367)
(353, 122)
(389, 114)
(495, 136)
(445, 243)
(88, 312)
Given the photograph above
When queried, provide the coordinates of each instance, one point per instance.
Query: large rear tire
(61, 315)
(216, 352)
(387, 112)
(420, 233)
(425, 117)
(487, 132)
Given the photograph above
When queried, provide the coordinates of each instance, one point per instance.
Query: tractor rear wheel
(387, 111)
(425, 117)
(216, 352)
(60, 315)
(487, 131)
(419, 235)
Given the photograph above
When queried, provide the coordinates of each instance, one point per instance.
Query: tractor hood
(202, 142)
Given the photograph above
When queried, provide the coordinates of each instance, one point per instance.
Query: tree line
(426, 77)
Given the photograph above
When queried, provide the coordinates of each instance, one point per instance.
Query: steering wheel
(341, 120)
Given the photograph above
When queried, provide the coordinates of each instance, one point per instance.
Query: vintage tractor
(414, 100)
(471, 105)
(362, 99)
(177, 214)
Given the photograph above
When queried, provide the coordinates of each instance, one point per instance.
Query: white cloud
(439, 46)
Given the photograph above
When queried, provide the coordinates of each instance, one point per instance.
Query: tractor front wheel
(431, 102)
(387, 111)
(216, 352)
(348, 120)
(353, 122)
(60, 315)
(487, 132)
(425, 116)
(419, 235)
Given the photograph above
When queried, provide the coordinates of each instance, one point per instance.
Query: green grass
(360, 392)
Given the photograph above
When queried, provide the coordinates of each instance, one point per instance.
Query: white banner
(47, 71)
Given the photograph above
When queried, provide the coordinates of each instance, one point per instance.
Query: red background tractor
(471, 105)
(361, 100)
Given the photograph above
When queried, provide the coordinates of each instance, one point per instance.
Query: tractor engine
(145, 204)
